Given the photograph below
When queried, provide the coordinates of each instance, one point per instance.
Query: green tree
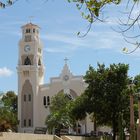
(10, 101)
(136, 94)
(107, 95)
(95, 90)
(8, 120)
(117, 97)
(137, 81)
(59, 113)
(78, 110)
(8, 111)
(78, 107)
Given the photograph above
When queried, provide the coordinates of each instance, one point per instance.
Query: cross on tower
(30, 18)
(66, 59)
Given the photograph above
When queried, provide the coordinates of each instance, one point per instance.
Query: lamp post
(132, 122)
(138, 127)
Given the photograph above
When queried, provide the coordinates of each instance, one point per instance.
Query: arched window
(27, 61)
(29, 97)
(29, 122)
(48, 100)
(24, 123)
(39, 62)
(44, 100)
(33, 30)
(24, 98)
(27, 30)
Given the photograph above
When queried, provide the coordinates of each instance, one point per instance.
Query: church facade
(34, 97)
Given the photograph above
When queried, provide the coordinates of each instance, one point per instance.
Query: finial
(30, 18)
(66, 59)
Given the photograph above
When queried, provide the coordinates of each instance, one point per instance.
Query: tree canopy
(10, 101)
(8, 112)
(106, 95)
(59, 113)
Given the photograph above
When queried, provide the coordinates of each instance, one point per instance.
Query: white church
(34, 96)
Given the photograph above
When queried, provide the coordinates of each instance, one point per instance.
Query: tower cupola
(30, 32)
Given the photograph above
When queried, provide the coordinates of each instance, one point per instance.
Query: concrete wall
(27, 136)
(24, 136)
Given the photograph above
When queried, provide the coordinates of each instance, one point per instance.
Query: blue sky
(60, 22)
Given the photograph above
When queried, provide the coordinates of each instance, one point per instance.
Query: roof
(30, 25)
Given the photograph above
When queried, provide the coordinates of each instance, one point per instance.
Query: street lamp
(132, 122)
(138, 127)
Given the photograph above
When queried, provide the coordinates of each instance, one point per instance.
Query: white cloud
(65, 39)
(5, 72)
(92, 40)
(54, 50)
(69, 42)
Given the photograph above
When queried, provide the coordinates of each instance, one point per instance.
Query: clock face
(27, 48)
(66, 77)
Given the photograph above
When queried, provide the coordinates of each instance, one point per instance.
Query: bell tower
(30, 75)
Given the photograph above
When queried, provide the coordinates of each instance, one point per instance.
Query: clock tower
(30, 76)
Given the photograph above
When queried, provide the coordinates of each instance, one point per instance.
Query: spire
(66, 59)
(30, 19)
(66, 70)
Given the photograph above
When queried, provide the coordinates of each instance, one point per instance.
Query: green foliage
(106, 96)
(10, 101)
(58, 102)
(136, 94)
(137, 81)
(59, 109)
(8, 112)
(78, 107)
(8, 120)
